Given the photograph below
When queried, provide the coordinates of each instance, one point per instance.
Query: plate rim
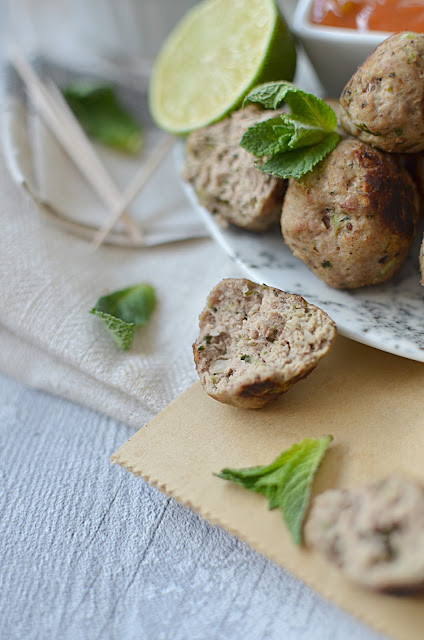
(401, 349)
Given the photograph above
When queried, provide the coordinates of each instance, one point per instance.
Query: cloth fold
(36, 368)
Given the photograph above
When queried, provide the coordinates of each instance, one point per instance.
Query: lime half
(214, 55)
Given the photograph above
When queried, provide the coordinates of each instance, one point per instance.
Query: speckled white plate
(389, 317)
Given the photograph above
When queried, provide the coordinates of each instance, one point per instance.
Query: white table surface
(89, 551)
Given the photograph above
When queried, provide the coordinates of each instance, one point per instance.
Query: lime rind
(282, 47)
(183, 97)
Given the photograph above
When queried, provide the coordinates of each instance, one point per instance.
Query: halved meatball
(256, 341)
(374, 533)
(352, 220)
(383, 102)
(224, 175)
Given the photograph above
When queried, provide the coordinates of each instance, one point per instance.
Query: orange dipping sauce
(374, 15)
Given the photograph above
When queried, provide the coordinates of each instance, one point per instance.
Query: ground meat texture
(224, 175)
(375, 533)
(352, 220)
(256, 341)
(383, 102)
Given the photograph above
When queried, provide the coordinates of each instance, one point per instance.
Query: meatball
(256, 341)
(352, 220)
(383, 102)
(224, 175)
(375, 533)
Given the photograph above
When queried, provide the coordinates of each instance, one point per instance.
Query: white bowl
(334, 52)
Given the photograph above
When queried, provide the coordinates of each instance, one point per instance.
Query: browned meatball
(256, 342)
(224, 175)
(352, 220)
(383, 102)
(375, 533)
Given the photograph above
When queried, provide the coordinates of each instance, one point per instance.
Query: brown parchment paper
(371, 402)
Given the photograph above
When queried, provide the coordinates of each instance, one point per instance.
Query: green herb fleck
(411, 54)
(294, 143)
(101, 115)
(326, 263)
(201, 348)
(125, 310)
(208, 339)
(246, 358)
(287, 481)
(399, 132)
(335, 221)
(387, 266)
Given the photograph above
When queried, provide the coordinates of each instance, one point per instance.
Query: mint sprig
(294, 142)
(124, 310)
(286, 482)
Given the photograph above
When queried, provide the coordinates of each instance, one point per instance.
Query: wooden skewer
(137, 183)
(111, 194)
(69, 133)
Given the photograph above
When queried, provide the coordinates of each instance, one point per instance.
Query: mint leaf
(270, 95)
(122, 332)
(301, 471)
(125, 310)
(286, 482)
(268, 137)
(294, 164)
(305, 136)
(310, 110)
(133, 304)
(305, 107)
(294, 142)
(99, 112)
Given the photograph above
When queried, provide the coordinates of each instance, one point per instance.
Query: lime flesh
(218, 51)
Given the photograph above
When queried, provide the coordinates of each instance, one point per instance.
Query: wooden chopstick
(69, 133)
(119, 207)
(111, 195)
(137, 183)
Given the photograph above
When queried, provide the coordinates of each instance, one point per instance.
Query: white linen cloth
(49, 280)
